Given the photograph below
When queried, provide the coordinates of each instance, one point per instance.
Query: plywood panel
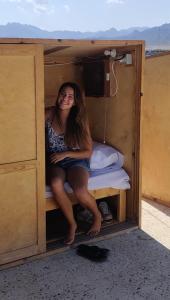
(18, 222)
(156, 129)
(22, 228)
(112, 119)
(17, 113)
(40, 141)
(55, 76)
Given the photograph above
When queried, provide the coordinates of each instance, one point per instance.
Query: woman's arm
(78, 154)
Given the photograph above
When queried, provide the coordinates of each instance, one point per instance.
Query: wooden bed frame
(98, 194)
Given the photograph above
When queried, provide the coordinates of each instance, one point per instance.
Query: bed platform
(111, 183)
(97, 194)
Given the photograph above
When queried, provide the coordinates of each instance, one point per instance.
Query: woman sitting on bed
(69, 147)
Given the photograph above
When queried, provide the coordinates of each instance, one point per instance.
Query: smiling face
(66, 98)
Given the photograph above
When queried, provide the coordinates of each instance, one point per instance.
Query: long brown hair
(76, 133)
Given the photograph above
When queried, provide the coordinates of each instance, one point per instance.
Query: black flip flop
(93, 253)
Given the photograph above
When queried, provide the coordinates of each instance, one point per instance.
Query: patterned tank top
(54, 142)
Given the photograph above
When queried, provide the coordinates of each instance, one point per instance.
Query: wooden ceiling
(75, 48)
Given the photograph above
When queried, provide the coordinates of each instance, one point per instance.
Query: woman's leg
(78, 179)
(57, 185)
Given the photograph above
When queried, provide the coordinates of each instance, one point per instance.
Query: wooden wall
(120, 122)
(117, 111)
(156, 129)
(56, 75)
(22, 222)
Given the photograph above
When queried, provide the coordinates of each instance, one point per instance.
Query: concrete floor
(156, 221)
(138, 268)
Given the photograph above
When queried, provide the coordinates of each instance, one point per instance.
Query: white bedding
(104, 155)
(117, 179)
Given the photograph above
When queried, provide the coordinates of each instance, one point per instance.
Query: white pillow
(103, 156)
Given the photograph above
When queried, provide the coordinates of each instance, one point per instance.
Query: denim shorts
(65, 164)
(68, 163)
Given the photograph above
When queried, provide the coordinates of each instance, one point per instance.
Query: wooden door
(156, 129)
(22, 222)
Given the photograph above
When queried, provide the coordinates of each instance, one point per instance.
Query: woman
(69, 147)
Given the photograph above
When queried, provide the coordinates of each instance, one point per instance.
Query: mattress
(117, 179)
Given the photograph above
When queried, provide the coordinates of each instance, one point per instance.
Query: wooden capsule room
(109, 74)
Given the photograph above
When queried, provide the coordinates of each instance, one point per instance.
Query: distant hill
(18, 30)
(155, 36)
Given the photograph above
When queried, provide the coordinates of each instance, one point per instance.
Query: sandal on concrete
(93, 253)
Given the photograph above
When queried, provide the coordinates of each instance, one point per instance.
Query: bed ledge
(98, 194)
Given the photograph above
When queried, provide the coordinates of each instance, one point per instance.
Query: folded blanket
(113, 167)
(116, 179)
(104, 155)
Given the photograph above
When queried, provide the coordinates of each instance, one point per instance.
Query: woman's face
(66, 98)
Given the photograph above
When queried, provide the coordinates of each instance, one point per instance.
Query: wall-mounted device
(98, 77)
(127, 59)
(111, 52)
(99, 73)
(93, 77)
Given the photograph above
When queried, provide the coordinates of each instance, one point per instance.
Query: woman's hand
(56, 157)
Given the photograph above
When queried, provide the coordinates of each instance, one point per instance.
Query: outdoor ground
(138, 268)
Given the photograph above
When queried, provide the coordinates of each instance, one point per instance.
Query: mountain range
(155, 36)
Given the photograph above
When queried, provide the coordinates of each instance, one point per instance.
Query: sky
(85, 15)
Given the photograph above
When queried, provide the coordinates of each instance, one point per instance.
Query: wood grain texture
(22, 227)
(97, 194)
(51, 204)
(156, 129)
(17, 116)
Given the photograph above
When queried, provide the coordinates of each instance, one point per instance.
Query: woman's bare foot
(95, 229)
(71, 234)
